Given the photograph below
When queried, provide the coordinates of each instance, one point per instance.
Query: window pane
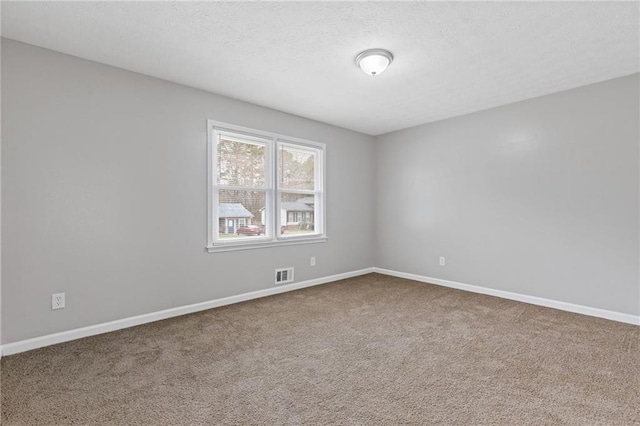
(241, 214)
(296, 168)
(240, 163)
(297, 214)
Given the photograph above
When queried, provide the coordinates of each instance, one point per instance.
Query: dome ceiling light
(374, 61)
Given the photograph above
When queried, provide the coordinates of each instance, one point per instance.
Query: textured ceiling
(451, 58)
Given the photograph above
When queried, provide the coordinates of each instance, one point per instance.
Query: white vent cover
(284, 275)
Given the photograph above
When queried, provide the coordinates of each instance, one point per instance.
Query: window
(264, 189)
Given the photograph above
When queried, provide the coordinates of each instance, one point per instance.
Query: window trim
(273, 192)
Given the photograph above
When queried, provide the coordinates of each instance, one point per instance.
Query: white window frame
(272, 237)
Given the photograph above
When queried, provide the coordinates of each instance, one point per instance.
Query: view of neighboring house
(232, 216)
(299, 212)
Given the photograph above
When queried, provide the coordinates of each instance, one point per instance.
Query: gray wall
(538, 197)
(104, 195)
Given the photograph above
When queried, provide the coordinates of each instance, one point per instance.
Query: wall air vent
(284, 275)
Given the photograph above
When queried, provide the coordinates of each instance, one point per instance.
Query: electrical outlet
(443, 261)
(57, 301)
(312, 261)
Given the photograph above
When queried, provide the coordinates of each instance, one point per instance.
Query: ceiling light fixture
(374, 61)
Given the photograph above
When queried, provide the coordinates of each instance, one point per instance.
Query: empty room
(318, 213)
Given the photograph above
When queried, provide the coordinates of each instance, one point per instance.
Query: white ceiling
(451, 58)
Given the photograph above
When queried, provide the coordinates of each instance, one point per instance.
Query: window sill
(265, 244)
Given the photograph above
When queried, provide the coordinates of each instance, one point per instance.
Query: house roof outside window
(297, 206)
(233, 210)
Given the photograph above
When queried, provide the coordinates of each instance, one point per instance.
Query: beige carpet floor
(371, 350)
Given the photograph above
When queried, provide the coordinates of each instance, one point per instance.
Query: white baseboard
(549, 303)
(92, 330)
(65, 336)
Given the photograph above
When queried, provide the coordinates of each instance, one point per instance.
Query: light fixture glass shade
(374, 61)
